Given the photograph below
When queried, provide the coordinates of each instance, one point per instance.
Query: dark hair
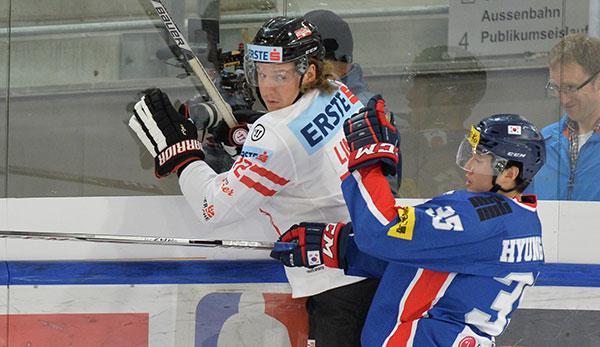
(520, 183)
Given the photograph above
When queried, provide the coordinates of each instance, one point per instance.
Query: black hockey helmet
(282, 40)
(508, 138)
(335, 33)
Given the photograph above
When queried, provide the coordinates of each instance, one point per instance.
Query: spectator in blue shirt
(572, 168)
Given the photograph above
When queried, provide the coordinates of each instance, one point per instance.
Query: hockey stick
(147, 240)
(192, 60)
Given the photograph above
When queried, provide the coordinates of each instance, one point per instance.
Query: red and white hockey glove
(372, 138)
(171, 138)
(317, 244)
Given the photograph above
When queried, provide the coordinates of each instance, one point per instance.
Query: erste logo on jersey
(265, 54)
(445, 218)
(260, 154)
(324, 118)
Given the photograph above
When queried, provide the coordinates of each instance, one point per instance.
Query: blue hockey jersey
(452, 269)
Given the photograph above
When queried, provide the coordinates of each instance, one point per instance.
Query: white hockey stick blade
(147, 240)
(213, 93)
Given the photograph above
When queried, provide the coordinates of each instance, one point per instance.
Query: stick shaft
(148, 240)
(213, 93)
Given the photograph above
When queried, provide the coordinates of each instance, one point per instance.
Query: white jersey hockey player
(290, 167)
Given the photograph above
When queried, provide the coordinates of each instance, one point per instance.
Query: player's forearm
(368, 197)
(203, 193)
(362, 264)
(374, 214)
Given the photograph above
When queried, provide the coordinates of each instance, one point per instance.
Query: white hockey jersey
(290, 170)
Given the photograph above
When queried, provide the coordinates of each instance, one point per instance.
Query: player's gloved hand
(168, 136)
(372, 138)
(236, 136)
(317, 244)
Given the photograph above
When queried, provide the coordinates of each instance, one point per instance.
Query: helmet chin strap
(299, 89)
(262, 101)
(496, 187)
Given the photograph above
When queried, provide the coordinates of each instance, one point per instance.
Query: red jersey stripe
(378, 189)
(270, 175)
(250, 183)
(418, 299)
(270, 220)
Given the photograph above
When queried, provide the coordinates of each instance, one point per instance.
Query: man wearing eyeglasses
(572, 169)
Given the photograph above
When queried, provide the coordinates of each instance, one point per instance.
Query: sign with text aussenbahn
(502, 27)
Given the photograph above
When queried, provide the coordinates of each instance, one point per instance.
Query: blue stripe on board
(144, 272)
(213, 271)
(569, 275)
(4, 274)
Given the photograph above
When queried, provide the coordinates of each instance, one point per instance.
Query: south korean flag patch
(314, 258)
(514, 130)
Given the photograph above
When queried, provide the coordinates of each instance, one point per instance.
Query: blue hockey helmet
(508, 138)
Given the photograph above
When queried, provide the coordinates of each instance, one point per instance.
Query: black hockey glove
(317, 244)
(372, 138)
(236, 136)
(169, 136)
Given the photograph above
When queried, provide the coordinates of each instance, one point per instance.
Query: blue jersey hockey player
(452, 269)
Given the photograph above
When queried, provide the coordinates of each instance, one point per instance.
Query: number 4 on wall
(464, 42)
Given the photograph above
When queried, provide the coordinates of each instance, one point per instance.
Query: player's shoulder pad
(265, 142)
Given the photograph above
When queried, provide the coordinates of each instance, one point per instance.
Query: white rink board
(171, 309)
(174, 311)
(569, 229)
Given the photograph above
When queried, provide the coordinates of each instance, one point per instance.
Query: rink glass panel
(4, 15)
(4, 64)
(70, 71)
(76, 70)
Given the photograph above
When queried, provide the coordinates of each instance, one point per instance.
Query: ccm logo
(375, 148)
(178, 148)
(516, 155)
(327, 243)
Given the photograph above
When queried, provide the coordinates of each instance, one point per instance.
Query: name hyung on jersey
(326, 122)
(522, 250)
